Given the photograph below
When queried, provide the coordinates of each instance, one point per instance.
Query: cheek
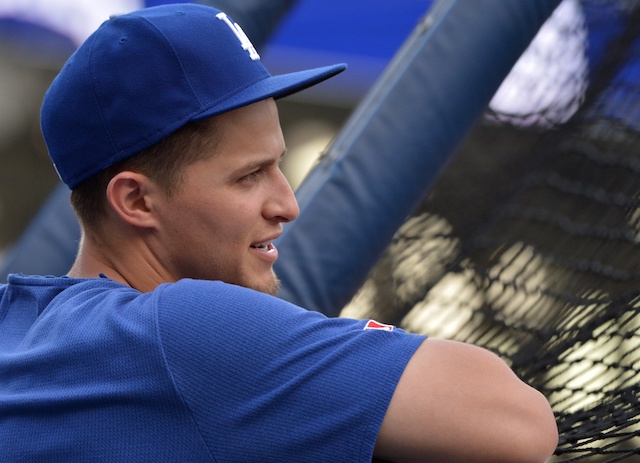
(226, 221)
(189, 222)
(228, 226)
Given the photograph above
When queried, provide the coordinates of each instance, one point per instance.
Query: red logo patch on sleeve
(374, 325)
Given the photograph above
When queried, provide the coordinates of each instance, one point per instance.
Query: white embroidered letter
(242, 37)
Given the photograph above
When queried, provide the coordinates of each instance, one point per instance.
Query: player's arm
(459, 403)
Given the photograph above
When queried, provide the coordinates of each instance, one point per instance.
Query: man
(163, 342)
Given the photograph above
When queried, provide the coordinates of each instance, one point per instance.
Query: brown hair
(164, 163)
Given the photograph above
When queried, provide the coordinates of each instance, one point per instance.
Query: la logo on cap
(242, 37)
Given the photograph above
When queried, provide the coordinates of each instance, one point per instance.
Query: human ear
(129, 196)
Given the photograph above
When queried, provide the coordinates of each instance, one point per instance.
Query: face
(221, 223)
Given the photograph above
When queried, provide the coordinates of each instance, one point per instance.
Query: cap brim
(273, 87)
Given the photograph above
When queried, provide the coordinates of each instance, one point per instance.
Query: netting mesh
(529, 244)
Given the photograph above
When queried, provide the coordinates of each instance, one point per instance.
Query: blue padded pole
(50, 243)
(391, 150)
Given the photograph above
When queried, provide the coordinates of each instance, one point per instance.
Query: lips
(266, 250)
(265, 245)
(262, 246)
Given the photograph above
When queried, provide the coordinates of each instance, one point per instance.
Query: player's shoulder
(188, 291)
(194, 296)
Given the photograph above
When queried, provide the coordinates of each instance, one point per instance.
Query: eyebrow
(257, 164)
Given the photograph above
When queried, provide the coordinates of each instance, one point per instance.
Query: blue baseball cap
(143, 75)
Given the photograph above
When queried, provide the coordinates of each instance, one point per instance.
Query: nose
(282, 205)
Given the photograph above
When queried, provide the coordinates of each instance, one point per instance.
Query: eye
(251, 177)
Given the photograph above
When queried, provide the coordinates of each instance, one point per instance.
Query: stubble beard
(230, 275)
(271, 287)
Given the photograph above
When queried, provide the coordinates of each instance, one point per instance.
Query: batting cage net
(529, 243)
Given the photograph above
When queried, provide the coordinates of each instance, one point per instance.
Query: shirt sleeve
(268, 381)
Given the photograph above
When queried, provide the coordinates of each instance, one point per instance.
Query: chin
(270, 287)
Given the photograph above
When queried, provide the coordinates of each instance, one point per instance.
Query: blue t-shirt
(195, 371)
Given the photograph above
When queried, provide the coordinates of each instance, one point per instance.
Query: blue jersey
(195, 371)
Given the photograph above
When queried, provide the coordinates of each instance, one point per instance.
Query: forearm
(457, 402)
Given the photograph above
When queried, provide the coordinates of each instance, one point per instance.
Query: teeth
(261, 246)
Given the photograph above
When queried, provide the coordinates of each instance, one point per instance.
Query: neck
(125, 260)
